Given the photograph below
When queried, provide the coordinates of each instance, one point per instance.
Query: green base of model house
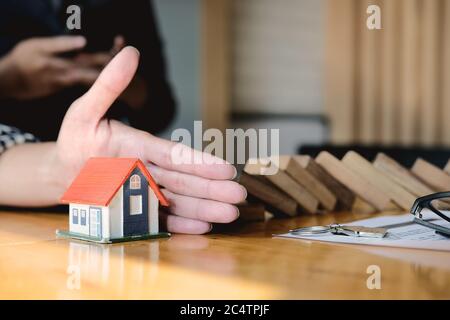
(78, 236)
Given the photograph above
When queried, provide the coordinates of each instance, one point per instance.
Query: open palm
(200, 194)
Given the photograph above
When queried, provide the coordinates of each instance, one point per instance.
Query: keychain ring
(311, 231)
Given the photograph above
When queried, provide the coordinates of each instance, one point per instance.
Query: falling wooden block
(406, 179)
(362, 206)
(431, 175)
(265, 191)
(345, 197)
(379, 180)
(354, 182)
(401, 175)
(300, 174)
(287, 184)
(251, 212)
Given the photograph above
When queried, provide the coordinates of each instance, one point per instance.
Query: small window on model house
(83, 217)
(135, 205)
(135, 182)
(75, 216)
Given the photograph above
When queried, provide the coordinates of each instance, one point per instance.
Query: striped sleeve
(10, 136)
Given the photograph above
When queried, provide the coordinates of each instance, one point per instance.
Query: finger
(60, 64)
(189, 185)
(60, 44)
(119, 44)
(183, 225)
(201, 209)
(77, 76)
(178, 157)
(114, 79)
(93, 60)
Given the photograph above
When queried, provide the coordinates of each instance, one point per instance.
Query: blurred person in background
(44, 66)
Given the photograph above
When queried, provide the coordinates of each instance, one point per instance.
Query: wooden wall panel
(389, 75)
(429, 102)
(445, 79)
(215, 95)
(389, 86)
(368, 79)
(340, 66)
(396, 81)
(278, 53)
(409, 72)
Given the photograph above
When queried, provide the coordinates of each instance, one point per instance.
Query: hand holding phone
(34, 67)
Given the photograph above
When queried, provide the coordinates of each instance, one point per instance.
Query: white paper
(408, 235)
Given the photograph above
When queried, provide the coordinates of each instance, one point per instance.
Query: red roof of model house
(101, 178)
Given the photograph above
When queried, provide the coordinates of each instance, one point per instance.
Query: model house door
(95, 222)
(135, 205)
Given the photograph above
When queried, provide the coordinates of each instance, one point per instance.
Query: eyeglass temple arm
(425, 202)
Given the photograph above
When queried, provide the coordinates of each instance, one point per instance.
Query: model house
(113, 199)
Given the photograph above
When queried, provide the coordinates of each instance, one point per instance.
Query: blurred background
(248, 64)
(313, 69)
(310, 68)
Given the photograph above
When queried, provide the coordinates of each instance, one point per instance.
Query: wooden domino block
(354, 182)
(268, 193)
(401, 175)
(300, 174)
(345, 197)
(378, 179)
(288, 185)
(250, 212)
(431, 175)
(362, 206)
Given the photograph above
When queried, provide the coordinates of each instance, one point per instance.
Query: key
(359, 231)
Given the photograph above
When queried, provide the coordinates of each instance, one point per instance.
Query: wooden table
(237, 262)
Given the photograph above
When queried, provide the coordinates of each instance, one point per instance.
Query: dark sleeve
(139, 27)
(10, 136)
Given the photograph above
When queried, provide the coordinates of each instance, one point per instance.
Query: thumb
(111, 82)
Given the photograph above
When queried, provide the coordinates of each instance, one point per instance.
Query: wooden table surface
(237, 262)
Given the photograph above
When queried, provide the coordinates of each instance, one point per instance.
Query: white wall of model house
(84, 228)
(153, 212)
(116, 215)
(112, 216)
(79, 217)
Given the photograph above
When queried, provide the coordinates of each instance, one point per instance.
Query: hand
(200, 194)
(135, 94)
(99, 60)
(34, 69)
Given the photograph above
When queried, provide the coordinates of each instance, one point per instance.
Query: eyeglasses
(439, 204)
